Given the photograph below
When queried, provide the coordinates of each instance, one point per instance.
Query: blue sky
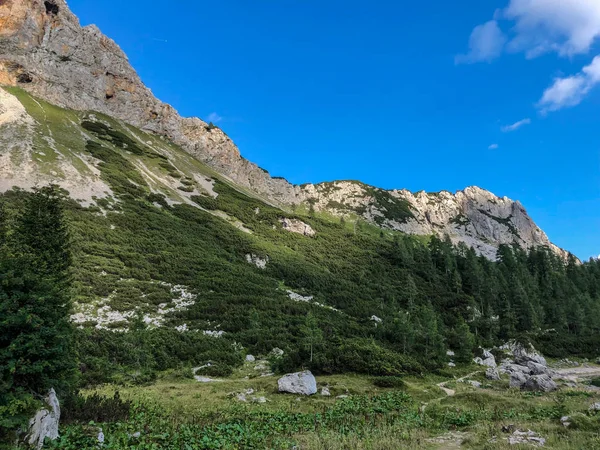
(421, 95)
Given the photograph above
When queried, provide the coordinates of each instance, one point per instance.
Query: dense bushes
(363, 356)
(96, 408)
(136, 357)
(389, 382)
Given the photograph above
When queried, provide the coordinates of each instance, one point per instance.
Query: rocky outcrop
(48, 53)
(45, 422)
(474, 216)
(492, 374)
(44, 50)
(528, 369)
(303, 383)
(539, 383)
(297, 226)
(487, 359)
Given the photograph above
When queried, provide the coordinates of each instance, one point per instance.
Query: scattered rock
(566, 421)
(250, 358)
(259, 262)
(512, 368)
(541, 383)
(450, 353)
(100, 437)
(297, 226)
(518, 437)
(526, 437)
(509, 428)
(475, 384)
(538, 369)
(488, 360)
(259, 400)
(276, 352)
(325, 391)
(595, 407)
(492, 374)
(298, 383)
(45, 423)
(451, 364)
(517, 379)
(341, 397)
(376, 319)
(523, 354)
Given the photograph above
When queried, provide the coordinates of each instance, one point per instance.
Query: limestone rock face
(45, 423)
(473, 216)
(303, 383)
(44, 50)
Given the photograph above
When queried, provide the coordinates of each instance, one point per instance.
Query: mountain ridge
(44, 50)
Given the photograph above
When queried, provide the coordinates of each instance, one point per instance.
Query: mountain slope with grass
(45, 51)
(141, 254)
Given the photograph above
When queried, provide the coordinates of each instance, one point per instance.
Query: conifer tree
(36, 351)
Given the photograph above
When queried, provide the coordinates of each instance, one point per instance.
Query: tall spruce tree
(36, 348)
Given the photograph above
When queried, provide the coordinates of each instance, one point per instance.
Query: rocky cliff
(44, 50)
(473, 216)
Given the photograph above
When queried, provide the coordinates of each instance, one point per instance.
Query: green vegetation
(136, 251)
(36, 347)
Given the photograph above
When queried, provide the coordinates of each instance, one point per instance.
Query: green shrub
(389, 382)
(216, 370)
(95, 408)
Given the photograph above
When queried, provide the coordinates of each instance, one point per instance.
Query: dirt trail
(579, 372)
(450, 392)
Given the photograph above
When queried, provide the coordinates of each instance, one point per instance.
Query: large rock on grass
(303, 383)
(539, 383)
(517, 379)
(492, 374)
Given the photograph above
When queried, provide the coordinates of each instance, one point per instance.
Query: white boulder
(303, 383)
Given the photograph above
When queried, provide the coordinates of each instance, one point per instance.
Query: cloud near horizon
(570, 91)
(493, 147)
(515, 126)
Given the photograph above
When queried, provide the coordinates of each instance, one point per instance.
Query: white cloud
(485, 44)
(515, 126)
(493, 147)
(214, 117)
(568, 27)
(570, 91)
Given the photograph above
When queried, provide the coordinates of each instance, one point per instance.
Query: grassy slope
(129, 238)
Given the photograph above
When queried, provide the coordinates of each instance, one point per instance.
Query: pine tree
(465, 341)
(312, 335)
(36, 350)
